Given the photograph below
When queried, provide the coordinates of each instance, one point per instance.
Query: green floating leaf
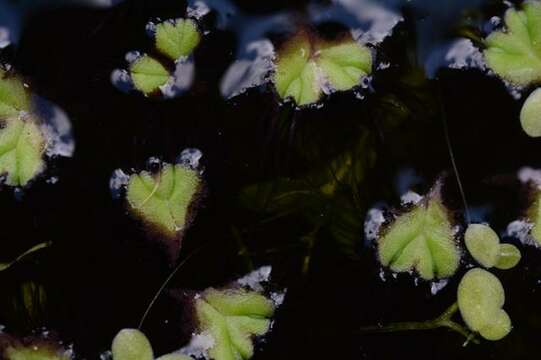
(515, 54)
(34, 352)
(14, 97)
(177, 39)
(164, 199)
(480, 300)
(421, 239)
(232, 317)
(148, 74)
(131, 344)
(509, 257)
(22, 145)
(483, 244)
(530, 114)
(306, 62)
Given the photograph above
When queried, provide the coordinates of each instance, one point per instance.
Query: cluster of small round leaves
(306, 64)
(421, 239)
(515, 54)
(484, 246)
(480, 299)
(175, 39)
(232, 317)
(132, 344)
(164, 199)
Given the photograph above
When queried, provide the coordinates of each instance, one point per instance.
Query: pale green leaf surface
(480, 299)
(14, 97)
(421, 239)
(131, 344)
(33, 352)
(509, 257)
(177, 39)
(515, 54)
(148, 74)
(232, 317)
(530, 114)
(164, 199)
(22, 145)
(483, 244)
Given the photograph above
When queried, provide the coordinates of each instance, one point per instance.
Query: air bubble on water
(197, 10)
(52, 180)
(370, 21)
(278, 297)
(226, 10)
(383, 65)
(372, 224)
(121, 79)
(198, 346)
(150, 28)
(410, 198)
(106, 355)
(455, 54)
(190, 158)
(132, 56)
(437, 286)
(528, 175)
(256, 278)
(520, 229)
(5, 38)
(381, 275)
(56, 126)
(249, 71)
(118, 181)
(181, 80)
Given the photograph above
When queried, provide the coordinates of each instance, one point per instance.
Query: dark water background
(101, 271)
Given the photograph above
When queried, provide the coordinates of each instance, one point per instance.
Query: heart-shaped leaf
(148, 74)
(515, 54)
(22, 145)
(177, 38)
(305, 65)
(164, 199)
(14, 97)
(421, 239)
(480, 300)
(232, 318)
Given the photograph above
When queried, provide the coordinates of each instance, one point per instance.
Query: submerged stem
(442, 321)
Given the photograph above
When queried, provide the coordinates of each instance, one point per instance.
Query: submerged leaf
(22, 145)
(131, 344)
(232, 317)
(148, 74)
(14, 97)
(305, 63)
(530, 114)
(421, 239)
(515, 54)
(164, 199)
(178, 38)
(480, 300)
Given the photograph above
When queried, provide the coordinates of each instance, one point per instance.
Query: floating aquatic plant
(421, 238)
(484, 245)
(132, 344)
(177, 38)
(530, 114)
(164, 200)
(232, 317)
(148, 74)
(306, 65)
(480, 300)
(175, 41)
(14, 96)
(515, 54)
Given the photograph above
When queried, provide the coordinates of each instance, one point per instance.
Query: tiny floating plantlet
(484, 246)
(232, 317)
(530, 114)
(306, 65)
(132, 344)
(174, 42)
(422, 238)
(480, 300)
(515, 54)
(165, 200)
